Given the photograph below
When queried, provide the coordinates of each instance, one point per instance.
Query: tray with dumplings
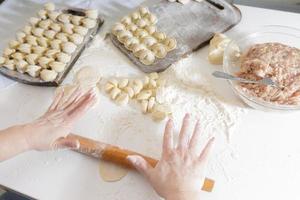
(46, 49)
(154, 37)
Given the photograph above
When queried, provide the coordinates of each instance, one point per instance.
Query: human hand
(179, 174)
(50, 131)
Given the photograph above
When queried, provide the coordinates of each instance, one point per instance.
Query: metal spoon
(264, 81)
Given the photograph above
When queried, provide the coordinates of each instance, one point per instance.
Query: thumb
(140, 164)
(66, 143)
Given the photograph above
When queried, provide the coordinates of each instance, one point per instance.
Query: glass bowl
(231, 64)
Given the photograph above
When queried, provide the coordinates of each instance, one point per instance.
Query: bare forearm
(13, 141)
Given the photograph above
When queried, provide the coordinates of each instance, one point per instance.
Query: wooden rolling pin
(118, 155)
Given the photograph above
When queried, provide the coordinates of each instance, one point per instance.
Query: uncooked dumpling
(25, 48)
(80, 30)
(147, 57)
(51, 53)
(39, 50)
(88, 23)
(20, 36)
(130, 42)
(55, 26)
(49, 6)
(136, 49)
(76, 38)
(21, 66)
(76, 20)
(48, 75)
(131, 27)
(159, 50)
(141, 23)
(63, 57)
(68, 47)
(33, 70)
(64, 18)
(56, 44)
(49, 34)
(126, 20)
(10, 64)
(144, 11)
(44, 61)
(13, 43)
(149, 41)
(62, 36)
(18, 56)
(42, 41)
(32, 40)
(68, 28)
(160, 36)
(57, 66)
(135, 16)
(33, 20)
(150, 29)
(38, 32)
(170, 44)
(31, 58)
(140, 33)
(42, 14)
(27, 29)
(117, 28)
(53, 15)
(8, 51)
(44, 24)
(151, 18)
(91, 13)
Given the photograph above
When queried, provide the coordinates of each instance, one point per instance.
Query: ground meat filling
(277, 61)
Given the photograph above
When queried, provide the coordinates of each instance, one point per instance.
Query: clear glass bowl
(273, 33)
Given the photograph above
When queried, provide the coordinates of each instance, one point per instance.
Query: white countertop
(266, 167)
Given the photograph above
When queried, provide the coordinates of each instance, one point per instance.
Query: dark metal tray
(27, 79)
(192, 24)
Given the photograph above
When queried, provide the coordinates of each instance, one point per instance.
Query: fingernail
(132, 159)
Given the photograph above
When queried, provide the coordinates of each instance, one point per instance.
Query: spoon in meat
(264, 81)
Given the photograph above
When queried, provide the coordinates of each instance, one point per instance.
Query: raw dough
(110, 172)
(87, 77)
(217, 46)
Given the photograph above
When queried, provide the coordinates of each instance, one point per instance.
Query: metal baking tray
(27, 79)
(192, 25)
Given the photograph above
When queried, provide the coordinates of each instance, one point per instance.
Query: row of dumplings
(138, 33)
(44, 46)
(143, 91)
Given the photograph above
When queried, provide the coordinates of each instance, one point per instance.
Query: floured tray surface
(192, 25)
(25, 78)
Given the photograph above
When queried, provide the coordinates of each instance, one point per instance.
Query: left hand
(50, 131)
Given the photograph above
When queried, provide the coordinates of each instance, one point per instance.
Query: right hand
(180, 172)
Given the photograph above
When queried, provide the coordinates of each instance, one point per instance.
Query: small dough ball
(80, 30)
(56, 44)
(68, 47)
(64, 18)
(32, 40)
(63, 57)
(170, 43)
(42, 41)
(117, 28)
(53, 15)
(67, 28)
(50, 34)
(17, 56)
(49, 6)
(39, 50)
(20, 36)
(55, 27)
(135, 16)
(91, 13)
(33, 20)
(126, 20)
(141, 23)
(144, 95)
(62, 36)
(27, 29)
(44, 61)
(151, 29)
(140, 33)
(21, 66)
(114, 93)
(13, 44)
(76, 38)
(48, 75)
(123, 83)
(51, 53)
(147, 57)
(25, 48)
(129, 91)
(159, 50)
(76, 20)
(2, 60)
(44, 24)
(129, 42)
(136, 49)
(160, 36)
(8, 51)
(33, 70)
(88, 23)
(149, 41)
(38, 32)
(131, 27)
(10, 64)
(57, 66)
(32, 58)
(144, 11)
(151, 18)
(42, 14)
(124, 35)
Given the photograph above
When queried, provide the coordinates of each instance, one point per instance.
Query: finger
(140, 164)
(56, 100)
(70, 98)
(184, 135)
(77, 109)
(168, 138)
(206, 151)
(195, 140)
(66, 143)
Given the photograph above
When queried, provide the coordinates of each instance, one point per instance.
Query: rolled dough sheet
(110, 172)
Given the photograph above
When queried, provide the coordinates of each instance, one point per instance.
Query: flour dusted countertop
(257, 155)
